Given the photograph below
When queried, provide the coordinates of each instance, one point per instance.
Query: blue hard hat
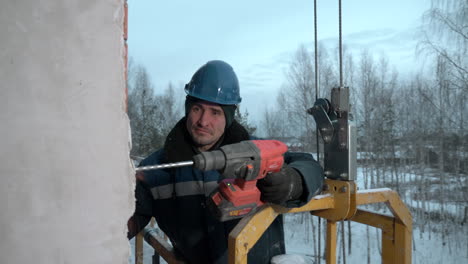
(215, 82)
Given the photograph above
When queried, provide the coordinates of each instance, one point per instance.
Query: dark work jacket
(176, 198)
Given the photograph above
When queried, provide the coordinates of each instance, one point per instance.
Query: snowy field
(300, 240)
(432, 242)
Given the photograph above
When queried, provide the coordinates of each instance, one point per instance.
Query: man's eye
(195, 109)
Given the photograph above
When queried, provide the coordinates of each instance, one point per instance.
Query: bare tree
(142, 111)
(270, 124)
(367, 105)
(446, 34)
(328, 71)
(243, 119)
(284, 116)
(300, 78)
(169, 110)
(445, 37)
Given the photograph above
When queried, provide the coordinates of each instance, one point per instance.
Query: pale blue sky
(257, 37)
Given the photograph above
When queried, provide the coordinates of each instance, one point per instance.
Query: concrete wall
(66, 187)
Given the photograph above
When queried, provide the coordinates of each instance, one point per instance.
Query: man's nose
(204, 119)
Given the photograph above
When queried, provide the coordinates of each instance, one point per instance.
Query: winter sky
(258, 37)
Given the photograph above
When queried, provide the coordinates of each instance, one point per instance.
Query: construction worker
(176, 197)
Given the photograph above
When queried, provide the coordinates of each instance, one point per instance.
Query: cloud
(262, 80)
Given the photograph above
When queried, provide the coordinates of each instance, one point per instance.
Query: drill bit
(165, 166)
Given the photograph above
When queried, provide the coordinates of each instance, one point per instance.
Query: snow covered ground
(432, 242)
(301, 240)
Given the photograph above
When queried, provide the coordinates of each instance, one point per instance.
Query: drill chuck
(210, 160)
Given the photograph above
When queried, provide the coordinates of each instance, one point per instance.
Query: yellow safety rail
(338, 202)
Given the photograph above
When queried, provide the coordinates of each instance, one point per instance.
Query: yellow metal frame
(338, 202)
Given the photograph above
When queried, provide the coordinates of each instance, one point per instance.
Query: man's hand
(140, 176)
(280, 187)
(132, 228)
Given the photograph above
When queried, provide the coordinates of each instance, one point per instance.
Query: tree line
(417, 119)
(412, 132)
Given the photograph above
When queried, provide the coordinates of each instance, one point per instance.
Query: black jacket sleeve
(311, 173)
(143, 209)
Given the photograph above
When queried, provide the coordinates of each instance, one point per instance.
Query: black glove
(280, 187)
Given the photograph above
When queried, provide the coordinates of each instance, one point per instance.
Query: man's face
(205, 123)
